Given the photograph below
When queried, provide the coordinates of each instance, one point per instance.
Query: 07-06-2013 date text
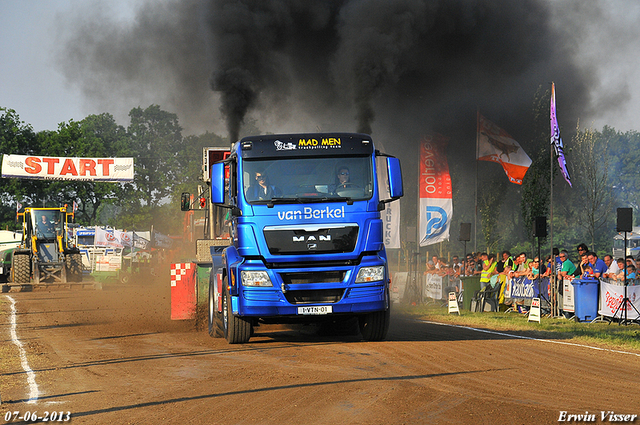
(34, 416)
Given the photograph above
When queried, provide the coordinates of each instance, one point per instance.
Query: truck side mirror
(395, 178)
(185, 201)
(217, 183)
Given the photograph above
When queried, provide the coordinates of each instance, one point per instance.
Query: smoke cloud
(395, 68)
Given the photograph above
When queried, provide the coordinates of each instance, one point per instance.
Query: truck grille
(314, 297)
(313, 277)
(309, 241)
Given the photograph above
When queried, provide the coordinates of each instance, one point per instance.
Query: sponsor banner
(391, 220)
(65, 168)
(398, 285)
(140, 242)
(108, 263)
(496, 145)
(125, 238)
(162, 241)
(611, 297)
(436, 206)
(568, 298)
(433, 286)
(107, 238)
(522, 288)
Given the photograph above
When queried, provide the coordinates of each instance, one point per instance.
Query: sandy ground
(114, 356)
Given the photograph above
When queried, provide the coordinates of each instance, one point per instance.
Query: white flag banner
(106, 238)
(125, 238)
(391, 222)
(64, 168)
(140, 242)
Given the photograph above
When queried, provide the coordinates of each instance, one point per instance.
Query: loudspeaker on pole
(465, 232)
(540, 227)
(625, 220)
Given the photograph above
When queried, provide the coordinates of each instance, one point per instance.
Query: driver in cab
(262, 190)
(45, 225)
(343, 180)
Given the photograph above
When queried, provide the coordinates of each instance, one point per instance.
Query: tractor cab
(45, 253)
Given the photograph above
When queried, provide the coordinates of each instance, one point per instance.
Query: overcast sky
(32, 83)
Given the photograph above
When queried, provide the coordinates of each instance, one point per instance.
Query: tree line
(166, 164)
(602, 166)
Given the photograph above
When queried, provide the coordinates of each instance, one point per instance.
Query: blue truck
(306, 235)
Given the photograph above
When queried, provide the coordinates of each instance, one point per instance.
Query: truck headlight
(370, 274)
(255, 278)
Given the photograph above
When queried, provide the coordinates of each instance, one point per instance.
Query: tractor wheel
(374, 326)
(237, 330)
(21, 269)
(215, 318)
(74, 267)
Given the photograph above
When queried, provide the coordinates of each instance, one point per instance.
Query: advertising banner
(433, 286)
(522, 288)
(568, 300)
(62, 168)
(107, 238)
(611, 297)
(162, 241)
(436, 206)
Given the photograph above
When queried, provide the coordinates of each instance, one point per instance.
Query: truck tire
(215, 319)
(237, 330)
(74, 267)
(374, 326)
(21, 269)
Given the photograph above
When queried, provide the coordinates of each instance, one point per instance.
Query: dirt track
(113, 356)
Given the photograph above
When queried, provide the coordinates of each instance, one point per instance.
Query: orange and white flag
(496, 145)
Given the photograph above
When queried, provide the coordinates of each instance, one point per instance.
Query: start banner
(65, 168)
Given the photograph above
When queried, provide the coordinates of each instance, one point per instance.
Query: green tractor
(45, 254)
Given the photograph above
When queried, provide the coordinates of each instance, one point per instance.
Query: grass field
(602, 334)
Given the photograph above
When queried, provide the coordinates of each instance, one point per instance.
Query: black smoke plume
(402, 66)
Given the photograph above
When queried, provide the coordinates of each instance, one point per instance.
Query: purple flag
(556, 140)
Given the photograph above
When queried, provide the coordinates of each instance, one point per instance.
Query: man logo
(436, 222)
(312, 238)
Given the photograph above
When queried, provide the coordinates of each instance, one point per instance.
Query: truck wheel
(74, 267)
(237, 330)
(374, 326)
(21, 269)
(215, 320)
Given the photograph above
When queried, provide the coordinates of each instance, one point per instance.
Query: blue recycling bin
(585, 292)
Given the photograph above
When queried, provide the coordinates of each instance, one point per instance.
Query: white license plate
(325, 309)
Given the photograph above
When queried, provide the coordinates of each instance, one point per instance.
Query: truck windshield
(307, 179)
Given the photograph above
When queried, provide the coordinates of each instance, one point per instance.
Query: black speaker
(625, 220)
(465, 232)
(540, 227)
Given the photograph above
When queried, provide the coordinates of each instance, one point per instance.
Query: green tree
(18, 138)
(624, 150)
(96, 136)
(592, 190)
(156, 139)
